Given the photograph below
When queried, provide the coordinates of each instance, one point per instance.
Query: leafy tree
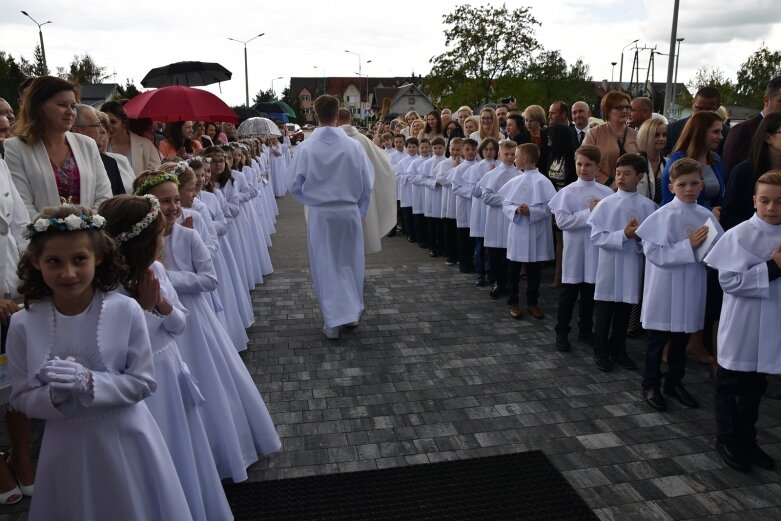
(12, 73)
(295, 104)
(755, 73)
(264, 95)
(483, 43)
(708, 76)
(39, 68)
(83, 69)
(129, 91)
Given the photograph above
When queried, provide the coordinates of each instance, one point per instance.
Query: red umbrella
(178, 103)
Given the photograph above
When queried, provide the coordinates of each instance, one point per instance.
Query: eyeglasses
(95, 125)
(486, 119)
(622, 107)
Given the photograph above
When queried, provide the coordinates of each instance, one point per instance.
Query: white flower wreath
(142, 225)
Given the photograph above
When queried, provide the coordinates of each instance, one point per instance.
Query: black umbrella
(189, 74)
(246, 112)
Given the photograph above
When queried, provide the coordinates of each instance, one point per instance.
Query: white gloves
(67, 377)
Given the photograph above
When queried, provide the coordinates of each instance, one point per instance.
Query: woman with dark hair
(433, 127)
(129, 138)
(179, 140)
(764, 154)
(49, 164)
(614, 138)
(454, 130)
(561, 156)
(516, 129)
(212, 132)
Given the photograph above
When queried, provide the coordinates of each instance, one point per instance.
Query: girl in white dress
(137, 225)
(237, 422)
(80, 358)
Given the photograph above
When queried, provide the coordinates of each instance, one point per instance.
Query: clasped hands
(66, 378)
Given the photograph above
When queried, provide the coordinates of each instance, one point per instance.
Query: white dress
(101, 455)
(176, 406)
(234, 239)
(278, 169)
(268, 188)
(241, 234)
(252, 222)
(237, 421)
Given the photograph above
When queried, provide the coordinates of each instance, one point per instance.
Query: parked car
(295, 133)
(308, 126)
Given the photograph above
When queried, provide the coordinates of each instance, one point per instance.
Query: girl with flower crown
(137, 225)
(258, 202)
(237, 422)
(80, 358)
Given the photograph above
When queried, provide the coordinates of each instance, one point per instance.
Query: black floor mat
(513, 486)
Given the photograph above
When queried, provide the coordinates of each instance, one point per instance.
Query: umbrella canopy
(291, 114)
(274, 110)
(258, 127)
(179, 104)
(245, 113)
(189, 74)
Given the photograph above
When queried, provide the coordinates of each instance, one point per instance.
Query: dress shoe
(480, 283)
(536, 312)
(496, 291)
(586, 336)
(624, 361)
(736, 459)
(655, 399)
(515, 311)
(759, 457)
(680, 393)
(331, 333)
(603, 363)
(562, 343)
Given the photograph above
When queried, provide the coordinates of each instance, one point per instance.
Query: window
(411, 100)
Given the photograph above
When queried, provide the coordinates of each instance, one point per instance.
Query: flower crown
(144, 223)
(180, 167)
(155, 180)
(71, 223)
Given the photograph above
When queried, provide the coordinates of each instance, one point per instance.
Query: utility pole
(668, 89)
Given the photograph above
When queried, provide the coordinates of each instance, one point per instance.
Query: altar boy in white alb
(674, 291)
(748, 258)
(619, 279)
(331, 174)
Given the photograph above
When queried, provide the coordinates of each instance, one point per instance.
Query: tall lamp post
(668, 89)
(40, 35)
(246, 75)
(359, 75)
(621, 67)
(272, 84)
(674, 100)
(325, 91)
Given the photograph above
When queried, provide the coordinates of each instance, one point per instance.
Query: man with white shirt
(580, 114)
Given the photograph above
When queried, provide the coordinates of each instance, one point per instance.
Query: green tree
(83, 69)
(294, 103)
(755, 73)
(708, 76)
(129, 91)
(39, 68)
(264, 95)
(12, 73)
(483, 43)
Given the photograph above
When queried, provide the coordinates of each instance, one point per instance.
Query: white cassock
(478, 209)
(495, 231)
(750, 325)
(448, 206)
(620, 266)
(395, 156)
(675, 282)
(407, 190)
(529, 237)
(432, 193)
(401, 169)
(416, 184)
(331, 174)
(381, 214)
(571, 208)
(463, 192)
(434, 182)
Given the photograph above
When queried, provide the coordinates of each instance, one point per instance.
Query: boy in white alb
(529, 235)
(432, 197)
(488, 151)
(402, 172)
(572, 207)
(748, 258)
(448, 206)
(614, 222)
(415, 188)
(465, 246)
(675, 281)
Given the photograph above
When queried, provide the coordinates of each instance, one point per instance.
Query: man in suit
(87, 123)
(640, 110)
(737, 143)
(580, 114)
(558, 112)
(707, 98)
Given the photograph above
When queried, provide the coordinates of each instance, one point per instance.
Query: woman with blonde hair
(409, 117)
(651, 140)
(534, 119)
(471, 125)
(489, 126)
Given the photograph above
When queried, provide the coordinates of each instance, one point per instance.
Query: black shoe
(760, 458)
(624, 361)
(738, 460)
(496, 292)
(562, 343)
(586, 336)
(603, 363)
(432, 253)
(422, 245)
(680, 393)
(392, 233)
(411, 239)
(654, 398)
(480, 283)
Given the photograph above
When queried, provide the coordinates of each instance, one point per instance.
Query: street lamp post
(612, 72)
(359, 74)
(40, 35)
(621, 67)
(246, 74)
(674, 100)
(668, 88)
(272, 84)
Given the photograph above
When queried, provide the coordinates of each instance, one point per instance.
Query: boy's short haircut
(399, 136)
(684, 166)
(636, 161)
(470, 142)
(438, 141)
(424, 140)
(507, 143)
(589, 151)
(326, 108)
(457, 141)
(771, 177)
(387, 135)
(411, 141)
(531, 150)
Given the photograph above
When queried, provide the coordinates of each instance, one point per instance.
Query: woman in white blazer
(50, 165)
(140, 151)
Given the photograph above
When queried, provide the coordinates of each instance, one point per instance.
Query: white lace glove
(67, 377)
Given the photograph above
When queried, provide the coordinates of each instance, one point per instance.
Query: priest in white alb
(331, 175)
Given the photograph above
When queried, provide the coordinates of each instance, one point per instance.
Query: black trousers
(567, 298)
(738, 395)
(497, 266)
(435, 234)
(421, 230)
(451, 239)
(676, 358)
(533, 276)
(479, 258)
(399, 219)
(465, 246)
(406, 216)
(609, 342)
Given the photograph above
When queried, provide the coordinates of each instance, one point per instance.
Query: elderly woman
(139, 151)
(48, 163)
(614, 138)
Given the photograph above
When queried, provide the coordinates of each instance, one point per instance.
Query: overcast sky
(399, 36)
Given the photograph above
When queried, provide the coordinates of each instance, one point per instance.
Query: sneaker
(450, 263)
(331, 333)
